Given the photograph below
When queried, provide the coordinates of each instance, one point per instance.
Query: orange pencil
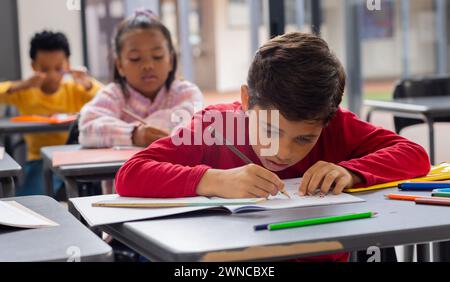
(404, 197)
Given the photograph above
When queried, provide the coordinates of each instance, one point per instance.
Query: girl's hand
(145, 135)
(250, 181)
(327, 177)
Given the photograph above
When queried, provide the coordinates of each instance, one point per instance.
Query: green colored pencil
(320, 220)
(441, 194)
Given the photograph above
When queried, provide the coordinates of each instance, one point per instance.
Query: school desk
(219, 237)
(8, 127)
(425, 108)
(67, 242)
(8, 169)
(73, 173)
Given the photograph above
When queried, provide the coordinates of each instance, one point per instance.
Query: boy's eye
(158, 58)
(303, 140)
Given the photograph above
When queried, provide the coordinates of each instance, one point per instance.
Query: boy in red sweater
(297, 76)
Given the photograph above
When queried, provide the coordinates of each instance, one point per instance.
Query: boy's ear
(245, 98)
(33, 66)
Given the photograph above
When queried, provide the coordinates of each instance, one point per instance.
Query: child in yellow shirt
(47, 93)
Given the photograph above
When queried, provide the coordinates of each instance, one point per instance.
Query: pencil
(433, 201)
(136, 117)
(402, 197)
(237, 152)
(313, 221)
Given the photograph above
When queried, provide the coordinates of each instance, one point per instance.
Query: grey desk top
(54, 243)
(9, 167)
(78, 170)
(231, 237)
(436, 104)
(8, 127)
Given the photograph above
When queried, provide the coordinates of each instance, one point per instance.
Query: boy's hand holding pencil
(250, 181)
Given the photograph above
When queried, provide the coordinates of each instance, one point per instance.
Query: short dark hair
(143, 19)
(49, 41)
(298, 74)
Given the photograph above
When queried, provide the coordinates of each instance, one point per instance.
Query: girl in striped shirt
(144, 84)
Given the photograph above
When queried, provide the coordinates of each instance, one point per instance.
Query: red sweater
(377, 155)
(165, 170)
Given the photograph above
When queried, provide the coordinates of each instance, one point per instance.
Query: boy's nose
(284, 152)
(54, 75)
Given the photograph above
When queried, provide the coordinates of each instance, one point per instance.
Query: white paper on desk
(292, 186)
(15, 215)
(105, 215)
(2, 153)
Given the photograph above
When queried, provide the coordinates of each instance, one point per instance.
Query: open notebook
(109, 209)
(16, 215)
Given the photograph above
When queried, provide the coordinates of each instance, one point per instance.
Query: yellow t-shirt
(69, 99)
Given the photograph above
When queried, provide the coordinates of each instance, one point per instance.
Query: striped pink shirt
(103, 124)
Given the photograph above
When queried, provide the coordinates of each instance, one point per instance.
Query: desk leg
(48, 180)
(430, 123)
(71, 188)
(8, 187)
(424, 252)
(408, 253)
(369, 115)
(441, 252)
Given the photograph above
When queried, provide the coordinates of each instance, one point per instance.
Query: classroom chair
(420, 87)
(427, 86)
(14, 144)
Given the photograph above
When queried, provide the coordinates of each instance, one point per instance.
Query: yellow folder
(437, 173)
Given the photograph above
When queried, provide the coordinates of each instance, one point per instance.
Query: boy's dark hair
(299, 75)
(49, 41)
(143, 19)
